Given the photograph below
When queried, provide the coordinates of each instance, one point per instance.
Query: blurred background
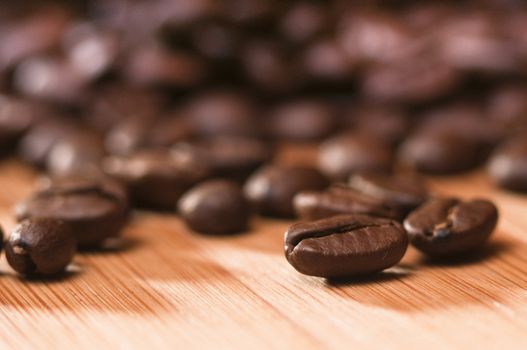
(80, 80)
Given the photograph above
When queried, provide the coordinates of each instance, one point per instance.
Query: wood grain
(165, 287)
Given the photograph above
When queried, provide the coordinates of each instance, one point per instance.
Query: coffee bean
(341, 199)
(508, 165)
(508, 105)
(386, 123)
(228, 157)
(271, 189)
(302, 121)
(448, 226)
(303, 21)
(215, 207)
(94, 209)
(343, 155)
(440, 152)
(325, 61)
(41, 246)
(156, 178)
(36, 145)
(222, 113)
(79, 152)
(345, 246)
(403, 191)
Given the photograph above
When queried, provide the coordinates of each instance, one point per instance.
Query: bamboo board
(164, 287)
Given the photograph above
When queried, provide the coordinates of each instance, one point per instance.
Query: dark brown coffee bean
(303, 21)
(38, 142)
(325, 60)
(386, 123)
(447, 226)
(41, 246)
(508, 165)
(302, 121)
(341, 199)
(508, 106)
(440, 152)
(222, 113)
(51, 79)
(215, 207)
(156, 178)
(95, 210)
(79, 152)
(403, 191)
(154, 66)
(345, 246)
(343, 155)
(228, 157)
(271, 189)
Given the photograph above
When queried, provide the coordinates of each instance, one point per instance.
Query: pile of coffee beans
(183, 105)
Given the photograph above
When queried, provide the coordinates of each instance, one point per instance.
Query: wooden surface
(167, 288)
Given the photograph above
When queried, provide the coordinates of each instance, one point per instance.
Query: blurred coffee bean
(91, 50)
(250, 13)
(346, 154)
(341, 199)
(324, 60)
(234, 158)
(386, 123)
(222, 113)
(50, 78)
(271, 189)
(303, 21)
(215, 40)
(411, 81)
(448, 227)
(95, 212)
(270, 66)
(155, 66)
(508, 105)
(156, 178)
(40, 139)
(440, 152)
(302, 120)
(78, 152)
(215, 207)
(17, 116)
(508, 165)
(402, 191)
(34, 32)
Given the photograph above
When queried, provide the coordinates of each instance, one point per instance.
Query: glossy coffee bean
(508, 165)
(215, 207)
(447, 226)
(341, 199)
(302, 121)
(41, 246)
(94, 209)
(271, 189)
(156, 178)
(403, 191)
(345, 246)
(343, 155)
(440, 152)
(228, 157)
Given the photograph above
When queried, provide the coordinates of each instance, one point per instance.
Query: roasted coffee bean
(386, 123)
(403, 191)
(325, 61)
(343, 155)
(302, 121)
(341, 199)
(215, 207)
(154, 66)
(303, 21)
(508, 165)
(440, 152)
(228, 157)
(40, 139)
(41, 246)
(447, 226)
(79, 152)
(95, 210)
(345, 246)
(222, 113)
(271, 189)
(508, 106)
(156, 178)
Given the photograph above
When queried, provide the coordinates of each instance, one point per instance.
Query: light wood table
(168, 288)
